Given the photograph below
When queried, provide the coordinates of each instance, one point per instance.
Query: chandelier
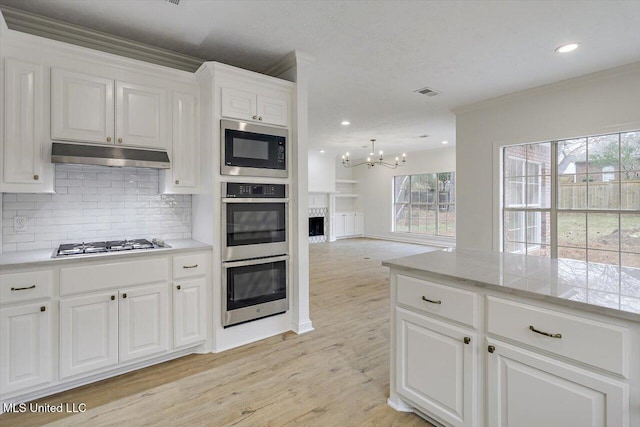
(371, 161)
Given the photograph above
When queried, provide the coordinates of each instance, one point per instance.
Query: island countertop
(598, 288)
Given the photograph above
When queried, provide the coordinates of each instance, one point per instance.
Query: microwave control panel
(254, 191)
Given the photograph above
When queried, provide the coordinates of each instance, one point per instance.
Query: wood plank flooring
(337, 375)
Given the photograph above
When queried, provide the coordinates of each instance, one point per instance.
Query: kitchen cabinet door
(189, 312)
(25, 163)
(526, 389)
(82, 107)
(359, 224)
(238, 104)
(436, 368)
(143, 327)
(88, 333)
(25, 346)
(273, 109)
(141, 116)
(184, 175)
(350, 224)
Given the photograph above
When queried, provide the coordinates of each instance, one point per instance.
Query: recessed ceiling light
(566, 48)
(345, 123)
(445, 142)
(322, 151)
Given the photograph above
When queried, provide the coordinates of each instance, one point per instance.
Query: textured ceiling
(372, 55)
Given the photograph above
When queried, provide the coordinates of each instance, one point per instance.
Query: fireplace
(316, 226)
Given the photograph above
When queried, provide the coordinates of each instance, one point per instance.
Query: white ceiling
(372, 55)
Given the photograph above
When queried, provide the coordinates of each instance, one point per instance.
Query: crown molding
(290, 60)
(31, 23)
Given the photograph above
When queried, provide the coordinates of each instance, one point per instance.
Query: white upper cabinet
(247, 105)
(184, 175)
(81, 107)
(85, 108)
(26, 167)
(141, 116)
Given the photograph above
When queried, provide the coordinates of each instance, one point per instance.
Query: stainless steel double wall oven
(255, 248)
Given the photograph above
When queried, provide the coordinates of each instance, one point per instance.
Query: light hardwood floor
(337, 375)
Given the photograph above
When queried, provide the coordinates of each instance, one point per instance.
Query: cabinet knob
(260, 118)
(255, 117)
(124, 295)
(108, 139)
(36, 177)
(467, 340)
(120, 140)
(113, 297)
(179, 287)
(491, 349)
(177, 181)
(43, 308)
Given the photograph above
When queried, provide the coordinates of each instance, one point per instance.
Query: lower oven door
(254, 288)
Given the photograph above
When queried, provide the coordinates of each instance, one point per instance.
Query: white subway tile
(9, 247)
(17, 238)
(45, 244)
(9, 197)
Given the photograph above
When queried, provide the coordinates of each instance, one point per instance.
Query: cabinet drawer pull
(467, 340)
(124, 295)
(255, 117)
(179, 287)
(190, 266)
(260, 118)
(25, 288)
(43, 308)
(113, 297)
(430, 300)
(120, 140)
(108, 139)
(36, 177)
(546, 334)
(491, 349)
(177, 181)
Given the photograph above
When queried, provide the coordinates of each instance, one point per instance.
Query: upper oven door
(253, 150)
(254, 228)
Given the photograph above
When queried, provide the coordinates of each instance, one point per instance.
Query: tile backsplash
(95, 203)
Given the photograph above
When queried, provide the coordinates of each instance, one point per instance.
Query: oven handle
(255, 261)
(241, 200)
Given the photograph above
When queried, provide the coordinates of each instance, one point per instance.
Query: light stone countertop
(598, 288)
(44, 257)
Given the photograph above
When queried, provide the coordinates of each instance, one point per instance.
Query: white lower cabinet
(189, 312)
(101, 330)
(436, 367)
(88, 333)
(348, 224)
(25, 346)
(526, 389)
(143, 321)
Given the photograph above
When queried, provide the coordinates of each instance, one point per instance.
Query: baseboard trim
(302, 327)
(399, 406)
(418, 241)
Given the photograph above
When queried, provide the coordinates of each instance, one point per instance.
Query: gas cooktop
(83, 248)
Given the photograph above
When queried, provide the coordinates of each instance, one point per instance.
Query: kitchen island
(486, 338)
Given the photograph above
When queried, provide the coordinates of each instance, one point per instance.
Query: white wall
(608, 101)
(375, 188)
(322, 172)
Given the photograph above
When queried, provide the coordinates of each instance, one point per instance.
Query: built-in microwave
(248, 149)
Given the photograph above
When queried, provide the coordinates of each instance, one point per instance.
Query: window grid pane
(597, 201)
(425, 204)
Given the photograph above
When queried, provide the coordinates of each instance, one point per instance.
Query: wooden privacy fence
(601, 195)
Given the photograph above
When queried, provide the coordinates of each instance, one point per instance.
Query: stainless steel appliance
(254, 220)
(107, 155)
(71, 249)
(255, 288)
(252, 150)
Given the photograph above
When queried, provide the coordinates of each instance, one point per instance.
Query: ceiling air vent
(176, 2)
(427, 91)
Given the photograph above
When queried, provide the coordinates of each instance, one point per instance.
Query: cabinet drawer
(441, 300)
(74, 280)
(190, 265)
(26, 286)
(592, 342)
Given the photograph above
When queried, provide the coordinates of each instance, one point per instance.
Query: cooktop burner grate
(109, 246)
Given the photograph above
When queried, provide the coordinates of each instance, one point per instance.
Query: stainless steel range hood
(108, 155)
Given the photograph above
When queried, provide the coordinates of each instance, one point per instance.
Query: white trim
(399, 405)
(443, 242)
(302, 327)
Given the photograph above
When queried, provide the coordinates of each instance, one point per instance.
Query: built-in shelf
(345, 195)
(346, 181)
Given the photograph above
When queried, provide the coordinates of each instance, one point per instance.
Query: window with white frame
(425, 204)
(574, 199)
